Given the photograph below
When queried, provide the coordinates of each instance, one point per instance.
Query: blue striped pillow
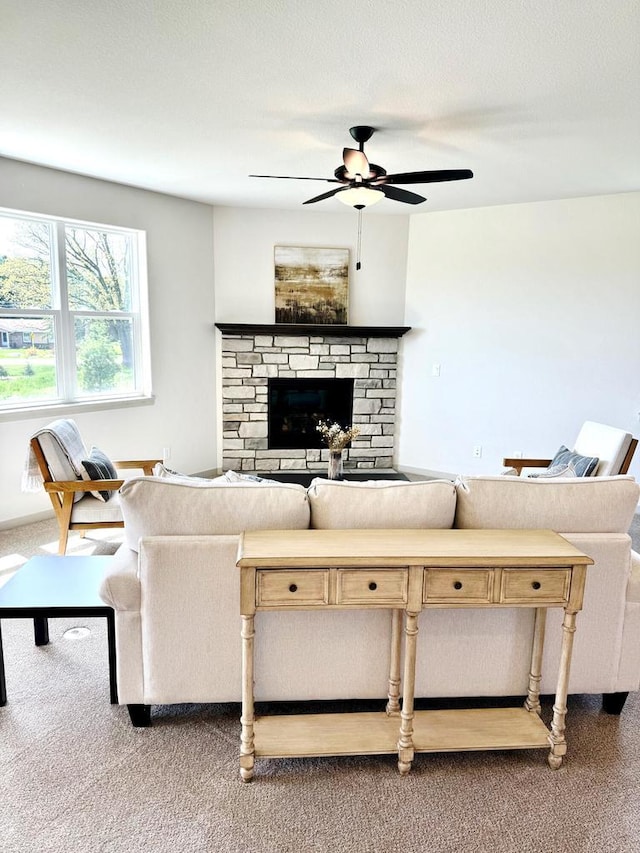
(99, 467)
(575, 464)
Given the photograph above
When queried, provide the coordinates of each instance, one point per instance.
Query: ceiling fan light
(360, 196)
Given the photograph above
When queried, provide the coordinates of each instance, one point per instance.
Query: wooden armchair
(80, 501)
(613, 447)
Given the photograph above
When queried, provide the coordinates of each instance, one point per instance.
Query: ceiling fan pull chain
(359, 243)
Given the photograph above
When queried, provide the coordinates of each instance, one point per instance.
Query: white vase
(334, 470)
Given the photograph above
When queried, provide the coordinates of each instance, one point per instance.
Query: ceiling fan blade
(401, 195)
(294, 178)
(355, 163)
(427, 177)
(324, 195)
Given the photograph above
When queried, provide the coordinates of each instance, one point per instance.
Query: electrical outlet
(166, 454)
(435, 370)
(477, 451)
(517, 454)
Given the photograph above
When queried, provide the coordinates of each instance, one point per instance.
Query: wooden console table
(407, 571)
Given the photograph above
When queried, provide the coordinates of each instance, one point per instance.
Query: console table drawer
(457, 585)
(292, 587)
(372, 586)
(528, 586)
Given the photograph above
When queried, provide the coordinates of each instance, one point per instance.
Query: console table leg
(532, 702)
(405, 743)
(556, 737)
(393, 705)
(247, 748)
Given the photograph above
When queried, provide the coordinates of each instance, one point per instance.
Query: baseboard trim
(10, 523)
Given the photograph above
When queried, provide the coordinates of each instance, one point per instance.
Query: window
(73, 320)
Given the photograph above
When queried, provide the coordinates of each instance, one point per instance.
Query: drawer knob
(457, 585)
(293, 587)
(536, 584)
(373, 585)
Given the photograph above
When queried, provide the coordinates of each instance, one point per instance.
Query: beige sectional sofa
(175, 588)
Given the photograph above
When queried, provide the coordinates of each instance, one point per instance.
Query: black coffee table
(50, 587)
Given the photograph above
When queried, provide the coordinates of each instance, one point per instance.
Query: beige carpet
(19, 543)
(75, 776)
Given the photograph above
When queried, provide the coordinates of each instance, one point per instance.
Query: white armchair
(613, 447)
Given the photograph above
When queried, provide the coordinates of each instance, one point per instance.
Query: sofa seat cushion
(382, 503)
(155, 506)
(576, 504)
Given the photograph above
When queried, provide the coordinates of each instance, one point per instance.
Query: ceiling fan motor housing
(362, 133)
(374, 173)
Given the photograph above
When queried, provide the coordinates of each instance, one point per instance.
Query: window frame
(68, 396)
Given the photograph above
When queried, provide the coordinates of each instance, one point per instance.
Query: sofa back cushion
(382, 503)
(577, 505)
(154, 506)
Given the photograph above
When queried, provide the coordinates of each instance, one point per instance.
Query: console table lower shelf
(405, 572)
(371, 733)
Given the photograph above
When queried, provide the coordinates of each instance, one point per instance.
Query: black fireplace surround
(296, 406)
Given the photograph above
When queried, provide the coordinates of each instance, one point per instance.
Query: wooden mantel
(291, 329)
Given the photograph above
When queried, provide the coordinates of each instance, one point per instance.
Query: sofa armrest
(120, 585)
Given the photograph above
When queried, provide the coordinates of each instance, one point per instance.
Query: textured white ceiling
(540, 99)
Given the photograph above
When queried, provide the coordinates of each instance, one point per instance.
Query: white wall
(181, 296)
(533, 313)
(244, 241)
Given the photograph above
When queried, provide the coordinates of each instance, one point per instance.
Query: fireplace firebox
(296, 406)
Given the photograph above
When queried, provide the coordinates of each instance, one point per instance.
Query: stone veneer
(250, 360)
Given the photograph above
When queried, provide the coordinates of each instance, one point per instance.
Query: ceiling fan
(363, 183)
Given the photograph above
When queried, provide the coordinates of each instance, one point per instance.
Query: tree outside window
(71, 327)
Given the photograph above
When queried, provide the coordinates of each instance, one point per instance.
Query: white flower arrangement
(335, 437)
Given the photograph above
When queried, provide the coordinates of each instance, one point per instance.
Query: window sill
(65, 409)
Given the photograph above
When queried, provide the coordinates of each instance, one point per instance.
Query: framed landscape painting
(312, 285)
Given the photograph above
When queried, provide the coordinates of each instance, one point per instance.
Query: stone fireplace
(318, 372)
